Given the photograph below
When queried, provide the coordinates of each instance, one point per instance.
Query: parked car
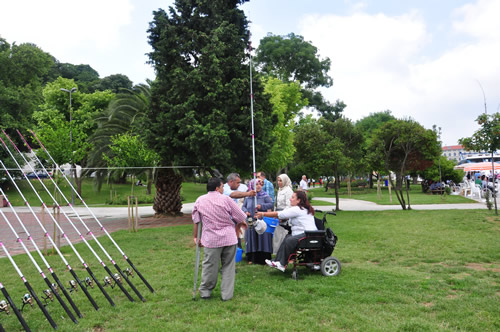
(41, 175)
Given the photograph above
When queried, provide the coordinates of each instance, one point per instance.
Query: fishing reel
(251, 221)
(55, 288)
(118, 278)
(128, 272)
(108, 282)
(4, 307)
(89, 282)
(73, 286)
(48, 296)
(27, 299)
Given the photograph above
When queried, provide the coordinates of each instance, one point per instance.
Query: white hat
(260, 226)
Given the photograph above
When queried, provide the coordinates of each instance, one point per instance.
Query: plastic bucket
(239, 255)
(272, 223)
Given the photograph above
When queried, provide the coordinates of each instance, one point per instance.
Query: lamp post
(71, 139)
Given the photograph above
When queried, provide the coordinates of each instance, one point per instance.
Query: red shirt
(217, 212)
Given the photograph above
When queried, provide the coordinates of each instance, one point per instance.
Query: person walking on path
(303, 183)
(219, 213)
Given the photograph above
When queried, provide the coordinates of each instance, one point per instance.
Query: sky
(437, 62)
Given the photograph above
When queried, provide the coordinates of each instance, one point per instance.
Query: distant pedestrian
(303, 183)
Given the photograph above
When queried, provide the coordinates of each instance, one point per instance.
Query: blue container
(272, 223)
(239, 255)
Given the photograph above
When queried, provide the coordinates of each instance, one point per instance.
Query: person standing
(219, 214)
(235, 189)
(303, 183)
(258, 247)
(268, 186)
(285, 192)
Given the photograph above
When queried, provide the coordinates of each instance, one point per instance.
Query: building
(458, 152)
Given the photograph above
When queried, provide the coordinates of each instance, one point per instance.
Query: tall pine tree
(200, 112)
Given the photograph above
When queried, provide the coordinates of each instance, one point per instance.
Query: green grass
(401, 271)
(416, 196)
(317, 202)
(119, 192)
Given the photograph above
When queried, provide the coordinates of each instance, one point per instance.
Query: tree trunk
(398, 191)
(371, 180)
(149, 174)
(408, 193)
(168, 192)
(78, 180)
(337, 199)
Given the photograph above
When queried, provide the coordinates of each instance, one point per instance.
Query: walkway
(116, 218)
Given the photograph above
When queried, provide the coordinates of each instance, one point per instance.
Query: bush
(123, 199)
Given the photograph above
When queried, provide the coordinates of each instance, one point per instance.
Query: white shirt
(303, 184)
(228, 190)
(300, 220)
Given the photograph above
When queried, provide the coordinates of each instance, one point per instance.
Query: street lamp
(71, 139)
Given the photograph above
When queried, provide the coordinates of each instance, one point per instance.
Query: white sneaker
(269, 262)
(278, 266)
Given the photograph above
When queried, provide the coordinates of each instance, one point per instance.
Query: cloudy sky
(425, 59)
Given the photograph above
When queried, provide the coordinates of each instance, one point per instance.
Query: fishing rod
(253, 128)
(91, 212)
(115, 279)
(89, 271)
(11, 304)
(28, 298)
(79, 217)
(52, 291)
(52, 272)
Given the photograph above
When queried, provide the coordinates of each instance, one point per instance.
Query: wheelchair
(315, 248)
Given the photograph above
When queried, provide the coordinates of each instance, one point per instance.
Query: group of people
(224, 221)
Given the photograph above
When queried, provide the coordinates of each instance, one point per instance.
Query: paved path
(116, 218)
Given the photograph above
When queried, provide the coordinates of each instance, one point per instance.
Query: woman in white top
(285, 192)
(301, 218)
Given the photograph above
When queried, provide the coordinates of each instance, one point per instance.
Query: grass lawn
(416, 196)
(189, 192)
(401, 271)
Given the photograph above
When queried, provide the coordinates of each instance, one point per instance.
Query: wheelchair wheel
(330, 267)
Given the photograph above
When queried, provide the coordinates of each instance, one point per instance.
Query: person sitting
(301, 218)
(258, 247)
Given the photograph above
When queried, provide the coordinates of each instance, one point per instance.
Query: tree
(128, 150)
(367, 126)
(56, 130)
(403, 146)
(200, 111)
(287, 101)
(292, 59)
(326, 147)
(23, 70)
(115, 83)
(124, 114)
(487, 138)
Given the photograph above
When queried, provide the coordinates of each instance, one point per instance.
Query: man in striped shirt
(219, 213)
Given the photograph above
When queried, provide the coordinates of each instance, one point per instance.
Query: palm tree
(124, 114)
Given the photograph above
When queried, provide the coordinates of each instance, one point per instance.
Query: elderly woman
(258, 248)
(285, 192)
(301, 217)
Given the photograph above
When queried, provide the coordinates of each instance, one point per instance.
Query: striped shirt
(217, 212)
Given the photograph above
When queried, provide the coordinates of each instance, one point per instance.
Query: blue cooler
(272, 223)
(239, 255)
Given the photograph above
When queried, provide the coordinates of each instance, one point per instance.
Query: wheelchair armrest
(315, 233)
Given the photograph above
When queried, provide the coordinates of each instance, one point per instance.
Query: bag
(330, 241)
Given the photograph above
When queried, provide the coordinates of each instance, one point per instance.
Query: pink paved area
(36, 232)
